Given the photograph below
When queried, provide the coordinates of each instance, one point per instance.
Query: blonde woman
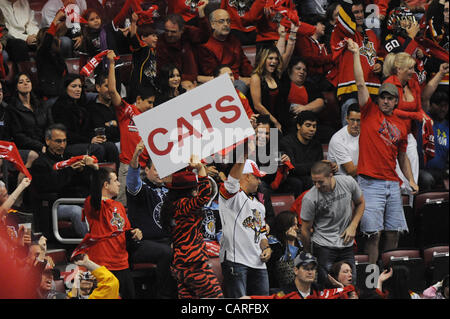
(265, 79)
(399, 69)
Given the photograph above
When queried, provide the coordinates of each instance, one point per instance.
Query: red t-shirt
(381, 138)
(129, 135)
(111, 252)
(298, 95)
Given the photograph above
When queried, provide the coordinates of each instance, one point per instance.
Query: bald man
(224, 48)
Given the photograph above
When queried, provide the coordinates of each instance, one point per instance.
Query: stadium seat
(282, 202)
(325, 151)
(413, 261)
(110, 165)
(125, 67)
(431, 212)
(74, 65)
(408, 240)
(436, 263)
(361, 263)
(250, 52)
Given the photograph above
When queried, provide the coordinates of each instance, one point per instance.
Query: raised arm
(363, 92)
(116, 99)
(432, 85)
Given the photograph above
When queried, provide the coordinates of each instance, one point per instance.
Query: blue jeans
(240, 280)
(327, 256)
(384, 207)
(73, 213)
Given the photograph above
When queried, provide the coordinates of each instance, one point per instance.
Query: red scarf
(72, 160)
(8, 151)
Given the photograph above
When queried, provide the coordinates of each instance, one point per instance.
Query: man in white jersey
(244, 248)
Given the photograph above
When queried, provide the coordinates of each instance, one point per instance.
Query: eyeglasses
(60, 141)
(222, 21)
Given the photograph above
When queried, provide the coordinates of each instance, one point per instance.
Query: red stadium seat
(436, 263)
(250, 52)
(431, 212)
(108, 164)
(411, 259)
(282, 202)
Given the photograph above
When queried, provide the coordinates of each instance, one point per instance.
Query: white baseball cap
(250, 167)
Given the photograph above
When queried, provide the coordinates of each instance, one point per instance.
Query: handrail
(55, 219)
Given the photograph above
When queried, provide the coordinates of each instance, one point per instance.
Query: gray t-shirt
(331, 212)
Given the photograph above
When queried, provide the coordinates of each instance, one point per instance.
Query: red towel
(282, 173)
(9, 151)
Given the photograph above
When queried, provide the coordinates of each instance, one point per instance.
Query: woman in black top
(70, 110)
(27, 116)
(169, 80)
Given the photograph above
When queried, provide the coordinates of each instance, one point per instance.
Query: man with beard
(224, 48)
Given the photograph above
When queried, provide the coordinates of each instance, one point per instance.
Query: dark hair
(336, 268)
(89, 11)
(69, 78)
(175, 19)
(51, 128)
(306, 116)
(397, 285)
(354, 107)
(439, 96)
(216, 71)
(99, 177)
(294, 61)
(313, 19)
(444, 284)
(100, 79)
(144, 92)
(264, 119)
(330, 10)
(164, 75)
(35, 101)
(145, 30)
(283, 221)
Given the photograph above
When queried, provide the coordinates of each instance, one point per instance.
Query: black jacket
(99, 114)
(302, 156)
(74, 115)
(65, 182)
(28, 127)
(51, 68)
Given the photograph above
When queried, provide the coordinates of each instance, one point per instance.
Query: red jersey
(110, 252)
(381, 138)
(342, 76)
(129, 135)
